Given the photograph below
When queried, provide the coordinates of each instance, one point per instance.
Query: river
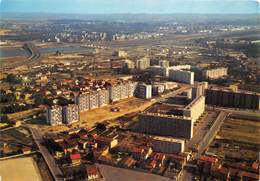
(14, 52)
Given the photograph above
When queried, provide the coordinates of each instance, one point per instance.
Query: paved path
(55, 170)
(205, 142)
(121, 174)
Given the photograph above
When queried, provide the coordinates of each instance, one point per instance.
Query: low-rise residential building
(168, 145)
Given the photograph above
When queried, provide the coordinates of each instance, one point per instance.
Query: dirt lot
(22, 169)
(237, 141)
(89, 118)
(241, 130)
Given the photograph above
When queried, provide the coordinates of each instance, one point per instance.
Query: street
(55, 170)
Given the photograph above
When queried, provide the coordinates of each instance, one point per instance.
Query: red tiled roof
(208, 159)
(92, 170)
(75, 156)
(255, 166)
(159, 156)
(249, 175)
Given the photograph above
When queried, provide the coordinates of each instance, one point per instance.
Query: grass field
(22, 169)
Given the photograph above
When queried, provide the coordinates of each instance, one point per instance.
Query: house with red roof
(75, 159)
(92, 172)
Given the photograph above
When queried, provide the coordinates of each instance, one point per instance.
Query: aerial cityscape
(129, 91)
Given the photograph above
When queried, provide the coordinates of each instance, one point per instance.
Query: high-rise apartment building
(70, 113)
(143, 63)
(54, 115)
(144, 91)
(181, 76)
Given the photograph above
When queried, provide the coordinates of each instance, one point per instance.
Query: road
(205, 142)
(173, 93)
(246, 112)
(35, 56)
(55, 170)
(211, 133)
(111, 173)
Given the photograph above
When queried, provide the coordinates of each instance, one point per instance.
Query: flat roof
(165, 115)
(168, 139)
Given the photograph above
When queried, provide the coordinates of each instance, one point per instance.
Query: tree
(3, 118)
(38, 98)
(11, 78)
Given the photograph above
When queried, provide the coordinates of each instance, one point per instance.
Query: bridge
(34, 52)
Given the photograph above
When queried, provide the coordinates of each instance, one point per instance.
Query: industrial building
(165, 125)
(143, 63)
(54, 115)
(70, 113)
(168, 145)
(181, 76)
(144, 91)
(229, 98)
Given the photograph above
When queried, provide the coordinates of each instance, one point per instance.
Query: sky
(132, 6)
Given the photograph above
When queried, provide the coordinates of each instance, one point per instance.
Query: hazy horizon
(131, 7)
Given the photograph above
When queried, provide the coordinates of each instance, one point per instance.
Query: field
(237, 140)
(22, 169)
(241, 130)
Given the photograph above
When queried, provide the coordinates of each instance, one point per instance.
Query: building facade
(54, 115)
(83, 101)
(195, 109)
(165, 125)
(228, 98)
(215, 73)
(143, 63)
(168, 145)
(181, 76)
(103, 97)
(144, 91)
(70, 113)
(164, 63)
